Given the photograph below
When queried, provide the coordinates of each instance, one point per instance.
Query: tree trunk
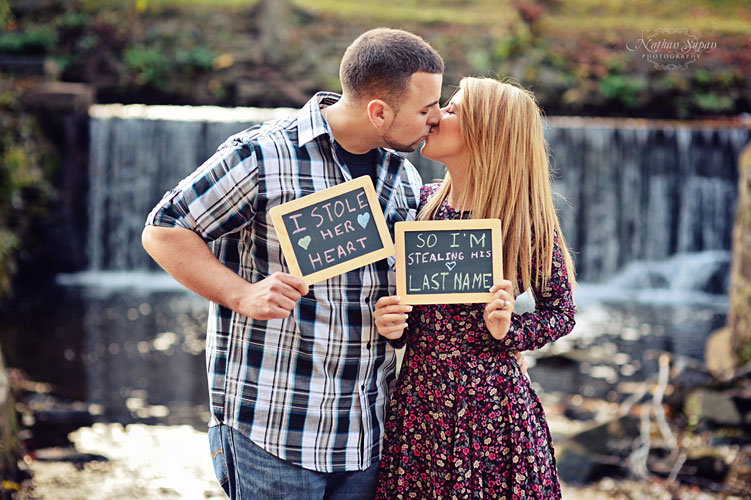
(273, 30)
(9, 447)
(739, 317)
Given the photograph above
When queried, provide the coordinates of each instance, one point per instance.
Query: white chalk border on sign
(400, 228)
(285, 242)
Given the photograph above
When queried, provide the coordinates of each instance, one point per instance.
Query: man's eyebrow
(430, 105)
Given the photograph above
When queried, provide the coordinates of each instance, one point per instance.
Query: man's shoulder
(264, 132)
(296, 128)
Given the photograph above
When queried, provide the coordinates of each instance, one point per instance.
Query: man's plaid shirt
(311, 388)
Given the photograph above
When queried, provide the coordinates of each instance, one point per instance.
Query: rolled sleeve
(216, 199)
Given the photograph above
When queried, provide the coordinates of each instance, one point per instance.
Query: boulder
(719, 353)
(706, 407)
(597, 452)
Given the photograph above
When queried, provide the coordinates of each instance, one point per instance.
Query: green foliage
(39, 39)
(25, 168)
(8, 247)
(703, 77)
(712, 102)
(6, 16)
(157, 68)
(195, 58)
(624, 89)
(479, 59)
(74, 19)
(572, 54)
(515, 44)
(150, 66)
(744, 354)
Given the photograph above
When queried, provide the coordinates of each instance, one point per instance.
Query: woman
(463, 422)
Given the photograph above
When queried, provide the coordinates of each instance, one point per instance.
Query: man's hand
(187, 258)
(273, 297)
(498, 311)
(391, 317)
(522, 362)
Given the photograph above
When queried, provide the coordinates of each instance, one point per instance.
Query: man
(298, 376)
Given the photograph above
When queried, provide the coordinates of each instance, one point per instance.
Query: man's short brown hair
(380, 62)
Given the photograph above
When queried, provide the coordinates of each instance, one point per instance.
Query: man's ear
(380, 113)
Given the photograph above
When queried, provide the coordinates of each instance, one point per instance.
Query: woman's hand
(391, 317)
(498, 311)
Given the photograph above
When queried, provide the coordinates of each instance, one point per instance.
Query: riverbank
(132, 439)
(157, 462)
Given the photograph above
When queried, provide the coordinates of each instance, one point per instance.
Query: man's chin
(404, 148)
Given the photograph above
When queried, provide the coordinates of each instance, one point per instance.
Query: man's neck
(351, 127)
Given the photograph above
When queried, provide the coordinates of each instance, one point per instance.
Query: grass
(726, 16)
(638, 24)
(475, 14)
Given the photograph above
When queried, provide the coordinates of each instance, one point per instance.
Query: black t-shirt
(359, 165)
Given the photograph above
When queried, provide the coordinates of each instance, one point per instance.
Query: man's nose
(434, 116)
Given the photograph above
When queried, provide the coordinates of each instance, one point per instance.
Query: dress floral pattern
(463, 422)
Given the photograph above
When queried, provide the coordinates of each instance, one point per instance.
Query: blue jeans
(247, 472)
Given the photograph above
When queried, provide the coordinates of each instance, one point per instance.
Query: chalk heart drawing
(363, 219)
(304, 241)
(451, 264)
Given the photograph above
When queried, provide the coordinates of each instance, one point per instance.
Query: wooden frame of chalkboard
(333, 231)
(447, 261)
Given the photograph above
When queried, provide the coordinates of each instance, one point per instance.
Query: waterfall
(630, 190)
(137, 153)
(642, 191)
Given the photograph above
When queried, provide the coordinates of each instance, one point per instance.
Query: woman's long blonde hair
(508, 177)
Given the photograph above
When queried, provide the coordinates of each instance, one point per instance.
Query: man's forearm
(188, 259)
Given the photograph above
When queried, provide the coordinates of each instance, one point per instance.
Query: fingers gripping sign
(274, 296)
(498, 312)
(391, 317)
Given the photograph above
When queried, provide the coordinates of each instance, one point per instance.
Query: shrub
(150, 66)
(623, 89)
(25, 168)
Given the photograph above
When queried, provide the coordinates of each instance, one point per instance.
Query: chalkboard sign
(447, 261)
(332, 231)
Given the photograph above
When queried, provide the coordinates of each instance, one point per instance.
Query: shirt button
(367, 300)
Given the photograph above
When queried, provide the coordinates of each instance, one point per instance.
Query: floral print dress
(463, 422)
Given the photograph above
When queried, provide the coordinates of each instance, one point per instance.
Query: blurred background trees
(252, 53)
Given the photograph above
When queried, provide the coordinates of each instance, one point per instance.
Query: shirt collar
(311, 122)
